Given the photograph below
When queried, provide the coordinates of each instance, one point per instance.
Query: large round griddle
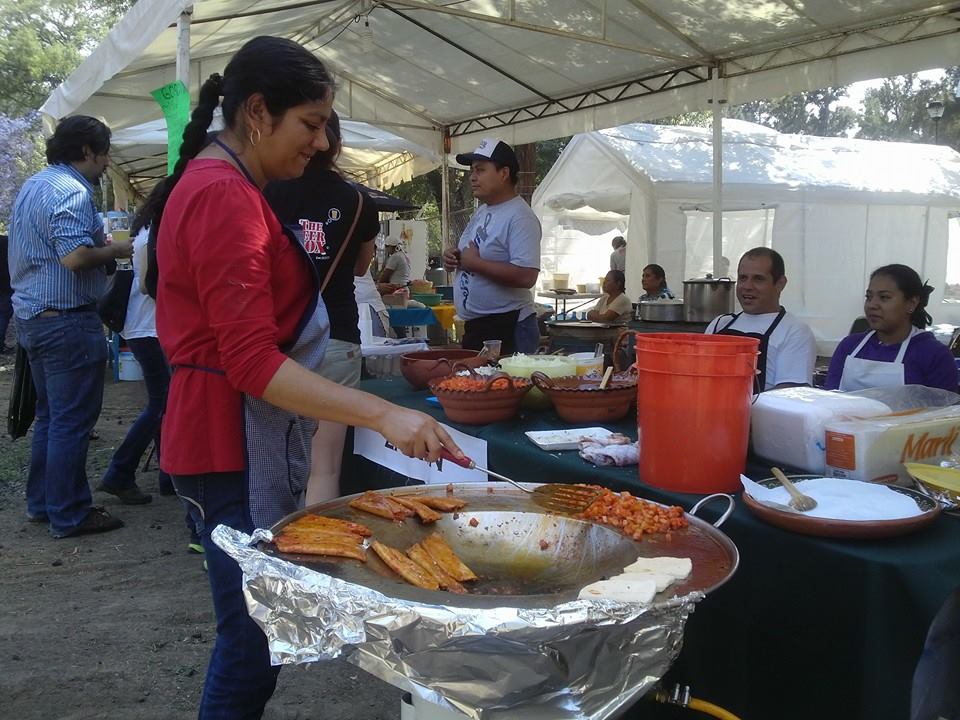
(504, 548)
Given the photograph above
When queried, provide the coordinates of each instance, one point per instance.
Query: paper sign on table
(374, 447)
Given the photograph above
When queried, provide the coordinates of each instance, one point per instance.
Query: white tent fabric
(835, 208)
(522, 70)
(372, 156)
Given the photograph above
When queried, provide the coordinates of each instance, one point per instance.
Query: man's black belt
(90, 307)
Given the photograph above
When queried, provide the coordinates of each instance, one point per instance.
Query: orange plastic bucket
(699, 364)
(695, 344)
(693, 418)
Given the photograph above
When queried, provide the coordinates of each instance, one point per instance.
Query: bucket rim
(703, 374)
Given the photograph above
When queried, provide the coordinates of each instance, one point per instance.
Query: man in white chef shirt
(788, 350)
(396, 268)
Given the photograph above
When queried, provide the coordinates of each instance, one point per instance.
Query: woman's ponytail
(920, 317)
(194, 140)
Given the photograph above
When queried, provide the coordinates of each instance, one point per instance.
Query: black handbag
(23, 397)
(112, 307)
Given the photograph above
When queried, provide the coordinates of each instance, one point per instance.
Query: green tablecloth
(846, 619)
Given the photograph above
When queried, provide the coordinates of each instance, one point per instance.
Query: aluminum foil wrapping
(580, 659)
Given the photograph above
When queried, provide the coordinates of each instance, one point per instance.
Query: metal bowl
(504, 549)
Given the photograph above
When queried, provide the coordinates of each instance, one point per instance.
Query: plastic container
(561, 281)
(694, 422)
(787, 425)
(428, 299)
(875, 449)
(128, 368)
(549, 365)
(587, 362)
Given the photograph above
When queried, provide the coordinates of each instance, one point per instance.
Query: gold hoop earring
(255, 132)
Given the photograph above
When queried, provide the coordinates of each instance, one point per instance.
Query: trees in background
(41, 44)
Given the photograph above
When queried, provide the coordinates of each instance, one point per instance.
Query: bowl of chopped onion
(473, 399)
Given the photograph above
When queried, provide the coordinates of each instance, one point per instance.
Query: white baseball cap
(492, 149)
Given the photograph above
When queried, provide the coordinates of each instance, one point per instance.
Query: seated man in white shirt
(788, 350)
(396, 268)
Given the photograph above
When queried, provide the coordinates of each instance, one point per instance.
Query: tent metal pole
(717, 190)
(445, 188)
(183, 46)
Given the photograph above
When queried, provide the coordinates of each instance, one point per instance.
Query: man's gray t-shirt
(505, 232)
(400, 264)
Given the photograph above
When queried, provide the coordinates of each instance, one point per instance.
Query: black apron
(761, 382)
(501, 326)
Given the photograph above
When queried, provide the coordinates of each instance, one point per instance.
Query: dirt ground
(121, 625)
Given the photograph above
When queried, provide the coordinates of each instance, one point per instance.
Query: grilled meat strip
(443, 504)
(404, 566)
(381, 505)
(327, 523)
(426, 514)
(312, 546)
(441, 552)
(422, 558)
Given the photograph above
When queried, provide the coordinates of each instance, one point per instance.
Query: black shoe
(128, 496)
(97, 520)
(39, 519)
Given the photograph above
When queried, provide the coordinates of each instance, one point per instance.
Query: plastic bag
(909, 397)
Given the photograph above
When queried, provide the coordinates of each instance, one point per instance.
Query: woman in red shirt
(241, 321)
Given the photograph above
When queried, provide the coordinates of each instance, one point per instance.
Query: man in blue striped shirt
(58, 269)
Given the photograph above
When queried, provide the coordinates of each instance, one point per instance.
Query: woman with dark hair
(654, 283)
(140, 334)
(242, 322)
(337, 225)
(614, 305)
(895, 351)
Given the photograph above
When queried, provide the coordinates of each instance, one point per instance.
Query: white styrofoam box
(875, 449)
(787, 425)
(128, 368)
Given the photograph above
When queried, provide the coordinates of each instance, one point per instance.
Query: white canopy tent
(444, 74)
(372, 156)
(524, 70)
(835, 208)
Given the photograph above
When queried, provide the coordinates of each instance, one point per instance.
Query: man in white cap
(396, 269)
(497, 260)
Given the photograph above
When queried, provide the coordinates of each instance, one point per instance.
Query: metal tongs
(553, 496)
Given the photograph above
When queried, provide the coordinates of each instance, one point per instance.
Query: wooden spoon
(606, 377)
(798, 501)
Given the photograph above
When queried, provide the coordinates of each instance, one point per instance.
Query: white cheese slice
(679, 568)
(618, 588)
(661, 579)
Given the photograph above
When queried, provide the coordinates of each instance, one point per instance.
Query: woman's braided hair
(284, 72)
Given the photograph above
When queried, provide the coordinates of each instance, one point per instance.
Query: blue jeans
(526, 335)
(68, 354)
(122, 472)
(240, 678)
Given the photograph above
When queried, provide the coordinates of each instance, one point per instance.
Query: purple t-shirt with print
(926, 362)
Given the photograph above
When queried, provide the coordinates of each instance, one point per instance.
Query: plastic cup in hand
(491, 350)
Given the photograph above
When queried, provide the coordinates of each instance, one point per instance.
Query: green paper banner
(174, 100)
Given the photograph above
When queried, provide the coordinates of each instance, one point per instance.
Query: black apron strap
(764, 344)
(501, 326)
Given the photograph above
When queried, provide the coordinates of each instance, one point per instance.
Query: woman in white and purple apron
(896, 350)
(241, 320)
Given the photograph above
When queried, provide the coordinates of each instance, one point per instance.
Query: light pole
(935, 111)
